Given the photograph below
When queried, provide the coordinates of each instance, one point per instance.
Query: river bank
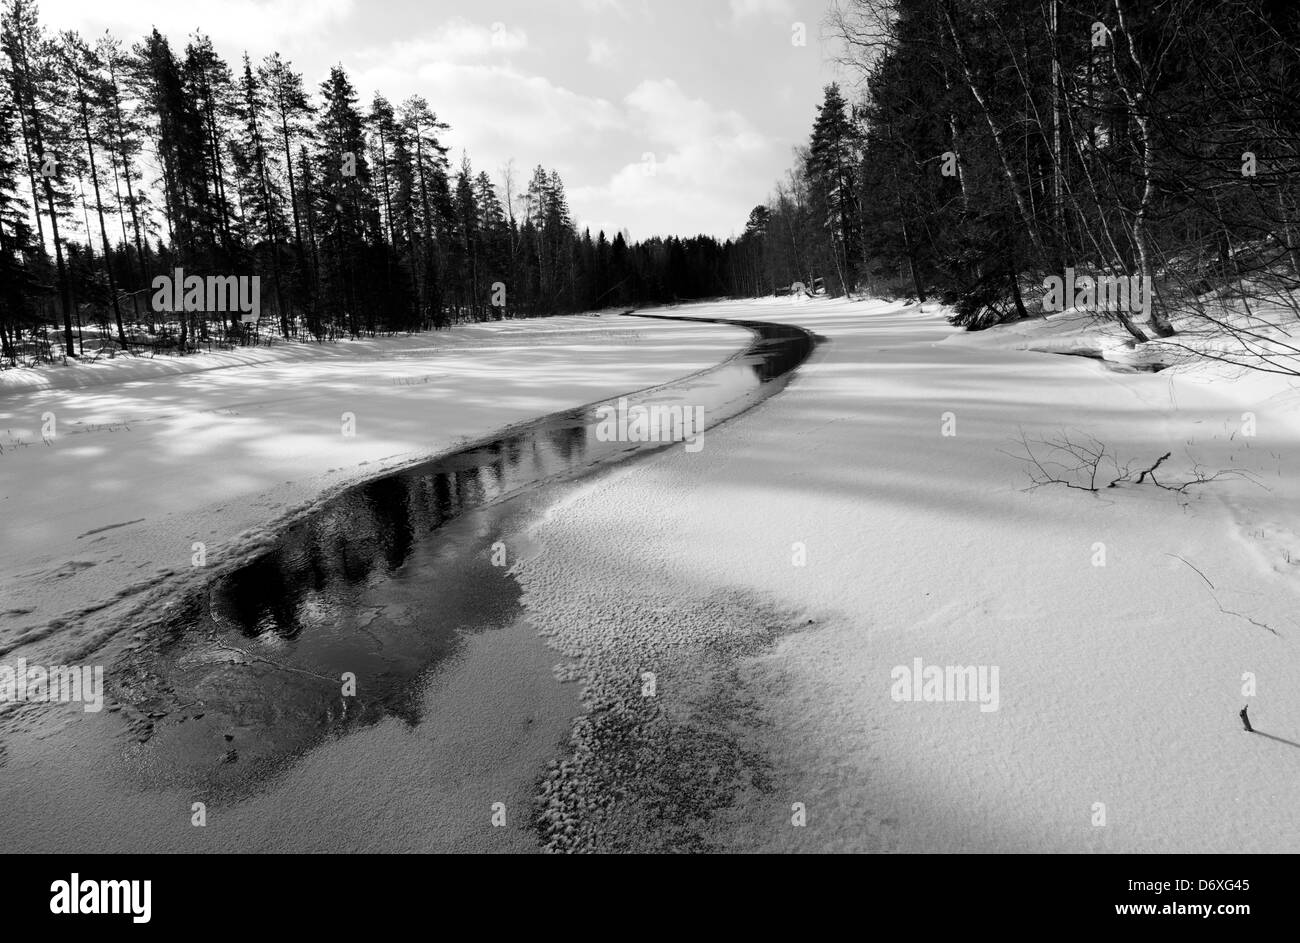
(224, 708)
(877, 512)
(158, 471)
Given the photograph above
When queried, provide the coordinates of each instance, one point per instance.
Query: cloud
(623, 8)
(741, 9)
(256, 25)
(496, 110)
(457, 40)
(600, 52)
(547, 95)
(699, 166)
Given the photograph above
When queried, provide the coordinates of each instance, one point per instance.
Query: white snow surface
(1119, 684)
(150, 456)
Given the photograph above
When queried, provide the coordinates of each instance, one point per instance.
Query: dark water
(1113, 365)
(382, 582)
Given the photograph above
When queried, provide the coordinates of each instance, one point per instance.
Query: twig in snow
(1215, 597)
(1081, 464)
(1151, 471)
(1193, 566)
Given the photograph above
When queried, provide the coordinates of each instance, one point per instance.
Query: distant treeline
(118, 165)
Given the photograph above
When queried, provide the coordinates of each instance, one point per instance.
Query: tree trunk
(1158, 321)
(998, 145)
(103, 229)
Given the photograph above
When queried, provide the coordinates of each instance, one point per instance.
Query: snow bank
(774, 581)
(112, 474)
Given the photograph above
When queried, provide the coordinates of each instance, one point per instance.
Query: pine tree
(121, 135)
(344, 205)
(260, 193)
(494, 235)
(16, 284)
(832, 173)
(211, 88)
(430, 203)
(90, 93)
(289, 111)
(469, 238)
(34, 75)
(181, 142)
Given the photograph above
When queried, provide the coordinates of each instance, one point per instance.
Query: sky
(665, 117)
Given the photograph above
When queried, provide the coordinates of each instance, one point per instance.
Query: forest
(984, 146)
(123, 163)
(994, 144)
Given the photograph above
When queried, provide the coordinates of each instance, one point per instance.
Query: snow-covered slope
(1121, 623)
(149, 457)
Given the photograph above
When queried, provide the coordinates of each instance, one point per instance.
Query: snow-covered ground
(149, 456)
(1121, 623)
(737, 613)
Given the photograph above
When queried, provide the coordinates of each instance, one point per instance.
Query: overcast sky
(715, 90)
